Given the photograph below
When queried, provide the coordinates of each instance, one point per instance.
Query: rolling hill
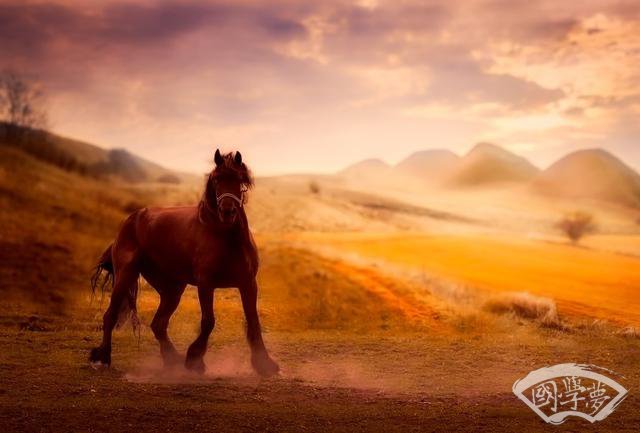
(485, 164)
(89, 159)
(591, 174)
(367, 169)
(54, 222)
(427, 165)
(490, 164)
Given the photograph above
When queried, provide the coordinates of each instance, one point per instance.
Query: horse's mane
(229, 168)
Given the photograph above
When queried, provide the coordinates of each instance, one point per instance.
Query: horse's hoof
(196, 365)
(100, 357)
(171, 360)
(98, 365)
(264, 365)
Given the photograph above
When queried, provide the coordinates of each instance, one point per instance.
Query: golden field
(386, 310)
(584, 282)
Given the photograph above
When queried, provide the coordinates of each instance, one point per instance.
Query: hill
(369, 168)
(86, 158)
(591, 174)
(490, 164)
(428, 165)
(55, 222)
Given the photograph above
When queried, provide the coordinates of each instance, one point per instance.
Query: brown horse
(208, 246)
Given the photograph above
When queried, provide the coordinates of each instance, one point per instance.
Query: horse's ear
(238, 158)
(218, 158)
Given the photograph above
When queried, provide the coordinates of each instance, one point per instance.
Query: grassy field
(584, 282)
(373, 332)
(352, 359)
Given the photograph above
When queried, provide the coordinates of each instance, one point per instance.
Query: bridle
(240, 200)
(204, 204)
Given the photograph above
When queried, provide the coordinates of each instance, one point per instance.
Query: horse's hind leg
(169, 299)
(199, 346)
(126, 277)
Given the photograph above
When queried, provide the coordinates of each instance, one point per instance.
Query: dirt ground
(329, 382)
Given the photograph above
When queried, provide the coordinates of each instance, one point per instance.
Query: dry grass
(630, 332)
(524, 305)
(582, 282)
(473, 322)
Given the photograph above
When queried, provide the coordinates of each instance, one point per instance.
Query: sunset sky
(313, 86)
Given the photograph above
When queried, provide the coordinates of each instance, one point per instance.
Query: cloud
(38, 24)
(313, 77)
(468, 84)
(157, 23)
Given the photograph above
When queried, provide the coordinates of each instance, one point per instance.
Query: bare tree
(576, 224)
(21, 102)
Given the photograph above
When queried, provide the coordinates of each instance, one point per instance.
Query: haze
(312, 87)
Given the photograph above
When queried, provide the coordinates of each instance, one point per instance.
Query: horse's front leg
(169, 299)
(260, 359)
(198, 348)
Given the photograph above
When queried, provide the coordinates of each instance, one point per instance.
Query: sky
(312, 86)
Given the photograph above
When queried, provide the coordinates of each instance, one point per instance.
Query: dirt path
(330, 382)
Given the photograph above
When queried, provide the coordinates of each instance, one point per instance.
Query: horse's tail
(127, 309)
(105, 264)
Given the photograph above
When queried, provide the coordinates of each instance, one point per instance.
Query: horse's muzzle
(227, 215)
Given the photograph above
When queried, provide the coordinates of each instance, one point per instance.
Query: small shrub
(525, 306)
(314, 187)
(576, 224)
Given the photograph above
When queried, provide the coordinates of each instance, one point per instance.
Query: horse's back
(177, 216)
(174, 245)
(166, 239)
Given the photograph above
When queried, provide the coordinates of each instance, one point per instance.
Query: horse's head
(227, 185)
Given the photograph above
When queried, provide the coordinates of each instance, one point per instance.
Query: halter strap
(230, 195)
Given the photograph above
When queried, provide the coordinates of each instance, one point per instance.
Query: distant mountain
(590, 174)
(428, 165)
(369, 168)
(593, 174)
(490, 164)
